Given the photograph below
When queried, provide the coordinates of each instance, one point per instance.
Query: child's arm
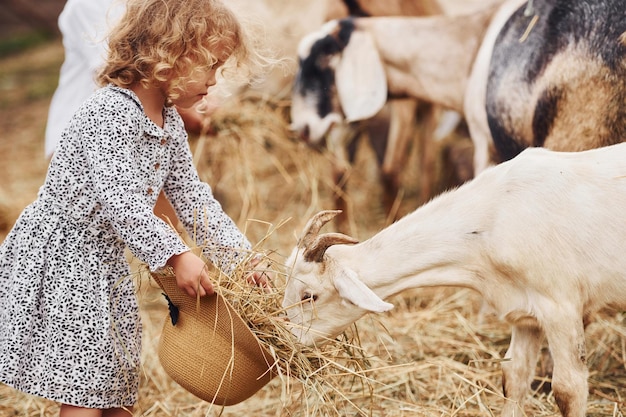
(120, 176)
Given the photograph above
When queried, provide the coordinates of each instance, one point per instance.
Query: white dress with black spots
(69, 321)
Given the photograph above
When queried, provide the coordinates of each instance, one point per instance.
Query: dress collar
(172, 122)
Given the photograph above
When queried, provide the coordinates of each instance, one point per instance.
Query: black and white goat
(541, 237)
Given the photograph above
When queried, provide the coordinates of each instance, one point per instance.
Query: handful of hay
(318, 374)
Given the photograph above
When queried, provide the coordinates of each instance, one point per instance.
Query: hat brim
(210, 351)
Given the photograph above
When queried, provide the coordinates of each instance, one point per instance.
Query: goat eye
(308, 296)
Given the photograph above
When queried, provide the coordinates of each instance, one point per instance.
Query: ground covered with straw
(434, 354)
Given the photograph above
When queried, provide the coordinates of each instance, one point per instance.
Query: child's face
(193, 89)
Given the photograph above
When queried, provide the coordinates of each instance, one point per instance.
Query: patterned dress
(69, 320)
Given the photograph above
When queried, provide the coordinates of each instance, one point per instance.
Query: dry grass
(430, 356)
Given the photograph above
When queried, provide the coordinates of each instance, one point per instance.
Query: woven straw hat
(210, 351)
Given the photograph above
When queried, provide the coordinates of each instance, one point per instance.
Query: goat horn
(312, 228)
(315, 252)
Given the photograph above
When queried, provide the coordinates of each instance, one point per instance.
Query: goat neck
(418, 251)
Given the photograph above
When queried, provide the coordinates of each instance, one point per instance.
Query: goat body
(569, 79)
(541, 237)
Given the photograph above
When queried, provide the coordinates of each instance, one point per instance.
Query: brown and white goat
(547, 74)
(541, 237)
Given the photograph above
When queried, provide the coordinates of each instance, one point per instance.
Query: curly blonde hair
(164, 41)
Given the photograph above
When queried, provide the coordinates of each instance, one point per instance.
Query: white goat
(541, 237)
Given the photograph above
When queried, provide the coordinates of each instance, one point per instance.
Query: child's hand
(259, 275)
(192, 275)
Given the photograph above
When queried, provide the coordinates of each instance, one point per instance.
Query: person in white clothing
(83, 25)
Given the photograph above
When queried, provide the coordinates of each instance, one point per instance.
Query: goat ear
(350, 287)
(360, 78)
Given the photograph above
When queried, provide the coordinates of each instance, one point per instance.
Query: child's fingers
(259, 275)
(189, 290)
(206, 286)
(201, 286)
(260, 279)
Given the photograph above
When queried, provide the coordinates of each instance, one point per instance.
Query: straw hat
(209, 350)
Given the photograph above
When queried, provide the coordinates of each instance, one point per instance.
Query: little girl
(69, 321)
